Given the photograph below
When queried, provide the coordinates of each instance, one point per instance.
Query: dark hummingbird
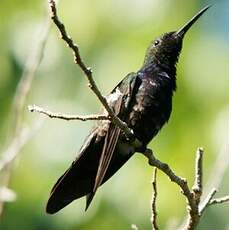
(143, 100)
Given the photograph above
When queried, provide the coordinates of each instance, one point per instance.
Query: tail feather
(78, 180)
(89, 199)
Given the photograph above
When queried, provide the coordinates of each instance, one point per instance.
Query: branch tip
(154, 199)
(219, 200)
(30, 108)
(197, 188)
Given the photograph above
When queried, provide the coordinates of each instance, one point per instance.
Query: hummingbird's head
(165, 50)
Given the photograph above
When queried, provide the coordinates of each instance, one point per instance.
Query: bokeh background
(113, 36)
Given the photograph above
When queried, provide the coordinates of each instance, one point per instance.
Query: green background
(113, 36)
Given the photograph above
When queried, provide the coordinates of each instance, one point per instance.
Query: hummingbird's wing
(92, 167)
(126, 88)
(108, 150)
(110, 142)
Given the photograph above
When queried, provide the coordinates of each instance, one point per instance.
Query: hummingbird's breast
(152, 106)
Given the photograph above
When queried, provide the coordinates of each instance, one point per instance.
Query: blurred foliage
(113, 36)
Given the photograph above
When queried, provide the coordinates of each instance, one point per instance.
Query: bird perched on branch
(143, 100)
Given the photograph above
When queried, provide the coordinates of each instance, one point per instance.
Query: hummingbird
(143, 100)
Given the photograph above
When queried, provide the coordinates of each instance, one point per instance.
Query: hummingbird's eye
(156, 42)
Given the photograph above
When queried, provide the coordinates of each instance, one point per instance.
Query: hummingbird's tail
(79, 179)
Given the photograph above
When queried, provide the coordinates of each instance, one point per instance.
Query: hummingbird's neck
(163, 63)
(152, 68)
(154, 63)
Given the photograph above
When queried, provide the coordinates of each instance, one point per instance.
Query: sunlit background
(113, 36)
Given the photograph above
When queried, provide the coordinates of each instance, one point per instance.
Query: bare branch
(196, 211)
(207, 201)
(17, 143)
(198, 184)
(13, 150)
(173, 177)
(21, 135)
(192, 204)
(23, 88)
(88, 73)
(219, 200)
(154, 199)
(31, 65)
(68, 117)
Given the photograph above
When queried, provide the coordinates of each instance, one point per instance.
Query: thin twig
(154, 199)
(207, 201)
(13, 150)
(169, 172)
(19, 138)
(31, 65)
(219, 200)
(88, 73)
(194, 216)
(192, 207)
(68, 117)
(198, 184)
(17, 143)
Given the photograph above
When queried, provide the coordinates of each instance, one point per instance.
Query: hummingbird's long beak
(181, 32)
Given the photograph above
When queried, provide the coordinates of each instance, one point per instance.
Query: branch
(198, 184)
(19, 134)
(195, 209)
(207, 201)
(88, 73)
(31, 65)
(154, 199)
(219, 200)
(8, 156)
(34, 108)
(181, 182)
(152, 160)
